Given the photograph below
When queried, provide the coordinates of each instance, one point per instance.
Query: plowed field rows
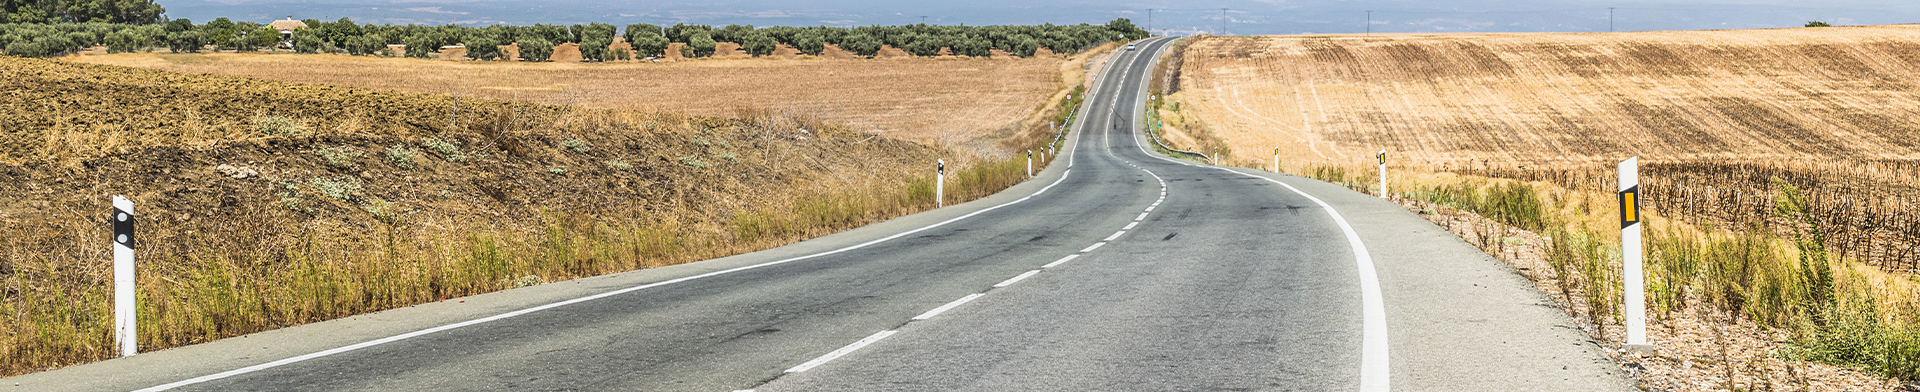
(923, 100)
(1716, 114)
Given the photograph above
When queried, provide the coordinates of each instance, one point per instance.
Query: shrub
(483, 48)
(557, 170)
(695, 162)
(342, 188)
(278, 126)
(575, 144)
(619, 165)
(649, 45)
(447, 148)
(402, 156)
(339, 157)
(290, 198)
(535, 49)
(1818, 24)
(702, 44)
(385, 211)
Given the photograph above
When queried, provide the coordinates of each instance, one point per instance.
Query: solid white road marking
(841, 352)
(1130, 225)
(517, 313)
(1062, 260)
(1010, 282)
(1374, 375)
(1096, 245)
(1115, 235)
(949, 306)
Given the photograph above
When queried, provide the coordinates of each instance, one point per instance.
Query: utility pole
(1149, 21)
(1223, 21)
(1369, 22)
(1609, 19)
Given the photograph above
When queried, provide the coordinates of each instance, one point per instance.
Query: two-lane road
(1114, 269)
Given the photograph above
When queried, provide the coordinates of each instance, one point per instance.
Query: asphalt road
(1114, 269)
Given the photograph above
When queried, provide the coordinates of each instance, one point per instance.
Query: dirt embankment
(267, 204)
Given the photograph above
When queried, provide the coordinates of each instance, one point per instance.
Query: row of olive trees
(536, 41)
(919, 40)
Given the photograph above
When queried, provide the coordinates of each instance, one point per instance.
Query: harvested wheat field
(931, 101)
(1830, 108)
(1763, 153)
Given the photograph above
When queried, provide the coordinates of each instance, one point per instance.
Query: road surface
(1113, 269)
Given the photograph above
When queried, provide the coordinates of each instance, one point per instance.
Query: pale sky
(1169, 16)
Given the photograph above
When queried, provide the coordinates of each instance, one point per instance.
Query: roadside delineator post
(940, 184)
(1029, 163)
(125, 326)
(1276, 159)
(1630, 257)
(1383, 173)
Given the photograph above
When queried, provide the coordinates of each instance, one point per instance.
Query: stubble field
(1712, 114)
(935, 101)
(1776, 166)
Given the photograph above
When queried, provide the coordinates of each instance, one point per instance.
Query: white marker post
(1029, 163)
(940, 184)
(1383, 174)
(1630, 255)
(125, 326)
(1276, 159)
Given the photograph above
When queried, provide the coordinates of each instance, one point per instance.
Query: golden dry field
(265, 204)
(1713, 115)
(1776, 166)
(937, 101)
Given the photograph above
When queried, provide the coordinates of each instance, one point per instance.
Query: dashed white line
(949, 306)
(1096, 245)
(841, 352)
(1062, 260)
(1150, 208)
(1115, 235)
(1143, 215)
(1130, 225)
(1010, 282)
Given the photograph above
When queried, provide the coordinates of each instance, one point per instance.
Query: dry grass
(933, 101)
(1442, 100)
(437, 206)
(1716, 117)
(1714, 114)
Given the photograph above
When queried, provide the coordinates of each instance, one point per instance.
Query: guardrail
(1153, 124)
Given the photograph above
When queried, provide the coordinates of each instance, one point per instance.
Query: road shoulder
(1457, 319)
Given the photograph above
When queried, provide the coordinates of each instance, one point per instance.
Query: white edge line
(1096, 245)
(836, 354)
(1116, 235)
(1016, 279)
(1374, 376)
(410, 335)
(1062, 260)
(949, 306)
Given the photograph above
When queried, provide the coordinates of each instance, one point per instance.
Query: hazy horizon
(1240, 17)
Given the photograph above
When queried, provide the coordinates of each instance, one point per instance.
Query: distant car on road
(1129, 47)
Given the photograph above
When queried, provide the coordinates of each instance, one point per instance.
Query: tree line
(134, 12)
(536, 41)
